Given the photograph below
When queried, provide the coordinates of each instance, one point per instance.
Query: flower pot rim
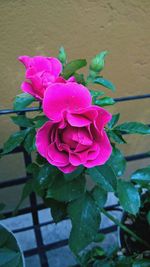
(18, 244)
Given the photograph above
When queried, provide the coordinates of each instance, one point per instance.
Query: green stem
(126, 229)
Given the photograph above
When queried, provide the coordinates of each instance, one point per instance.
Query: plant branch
(126, 229)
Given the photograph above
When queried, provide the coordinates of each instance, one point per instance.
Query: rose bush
(75, 135)
(75, 140)
(40, 73)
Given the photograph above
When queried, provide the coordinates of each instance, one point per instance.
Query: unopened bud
(62, 56)
(98, 62)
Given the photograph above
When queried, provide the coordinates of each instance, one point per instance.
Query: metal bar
(12, 111)
(13, 182)
(130, 98)
(33, 109)
(34, 211)
(63, 243)
(137, 156)
(24, 211)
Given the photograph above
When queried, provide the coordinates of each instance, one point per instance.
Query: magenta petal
(84, 138)
(103, 117)
(77, 120)
(69, 97)
(42, 138)
(67, 169)
(41, 63)
(104, 153)
(71, 79)
(93, 152)
(69, 136)
(83, 117)
(77, 159)
(55, 157)
(56, 66)
(60, 80)
(27, 88)
(25, 60)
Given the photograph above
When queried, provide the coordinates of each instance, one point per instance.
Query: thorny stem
(126, 229)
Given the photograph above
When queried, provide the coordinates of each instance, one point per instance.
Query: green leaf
(148, 217)
(40, 120)
(40, 160)
(141, 263)
(99, 195)
(62, 56)
(14, 141)
(79, 78)
(142, 176)
(22, 101)
(85, 219)
(104, 176)
(89, 258)
(63, 190)
(102, 81)
(22, 121)
(45, 178)
(117, 162)
(133, 128)
(116, 136)
(72, 67)
(9, 258)
(58, 209)
(114, 120)
(2, 206)
(29, 142)
(33, 168)
(104, 101)
(95, 95)
(128, 196)
(75, 174)
(27, 190)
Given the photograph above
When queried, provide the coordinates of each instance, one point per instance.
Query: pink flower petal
(71, 79)
(82, 117)
(25, 60)
(77, 120)
(65, 97)
(104, 153)
(55, 157)
(60, 80)
(93, 152)
(27, 88)
(42, 138)
(77, 159)
(41, 63)
(67, 169)
(69, 136)
(56, 66)
(84, 138)
(103, 117)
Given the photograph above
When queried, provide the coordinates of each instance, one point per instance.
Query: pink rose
(40, 73)
(75, 135)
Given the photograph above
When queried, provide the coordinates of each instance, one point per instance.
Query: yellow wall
(84, 28)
